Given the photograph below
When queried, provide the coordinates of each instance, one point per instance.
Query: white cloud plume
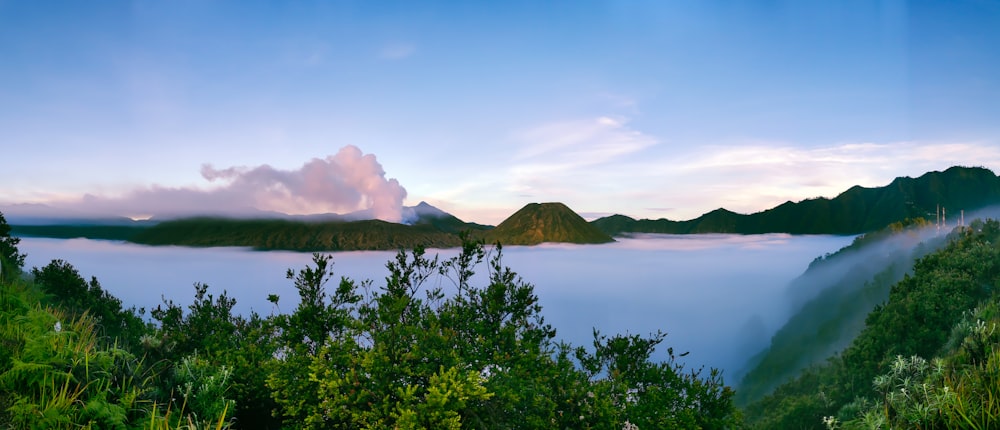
(345, 182)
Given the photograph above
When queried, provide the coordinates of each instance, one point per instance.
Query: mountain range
(856, 210)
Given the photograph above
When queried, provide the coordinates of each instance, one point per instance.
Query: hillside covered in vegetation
(926, 357)
(545, 222)
(430, 347)
(833, 297)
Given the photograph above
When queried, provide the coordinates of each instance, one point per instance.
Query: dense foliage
(435, 345)
(927, 357)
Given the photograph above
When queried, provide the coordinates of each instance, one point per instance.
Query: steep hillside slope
(890, 374)
(833, 297)
(545, 222)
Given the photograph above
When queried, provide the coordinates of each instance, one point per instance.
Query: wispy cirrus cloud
(572, 161)
(868, 154)
(836, 163)
(552, 156)
(583, 142)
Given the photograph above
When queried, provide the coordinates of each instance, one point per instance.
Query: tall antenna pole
(937, 213)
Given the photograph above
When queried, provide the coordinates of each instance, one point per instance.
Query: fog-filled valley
(788, 328)
(719, 297)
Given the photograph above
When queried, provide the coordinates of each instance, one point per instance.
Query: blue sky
(651, 109)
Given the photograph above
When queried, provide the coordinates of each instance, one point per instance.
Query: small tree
(65, 288)
(11, 260)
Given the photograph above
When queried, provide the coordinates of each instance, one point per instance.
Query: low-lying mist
(834, 296)
(719, 297)
(831, 301)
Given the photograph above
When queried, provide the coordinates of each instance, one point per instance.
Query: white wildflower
(490, 370)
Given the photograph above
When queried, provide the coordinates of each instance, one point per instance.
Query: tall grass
(57, 372)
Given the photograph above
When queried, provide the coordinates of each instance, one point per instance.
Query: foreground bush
(407, 354)
(434, 346)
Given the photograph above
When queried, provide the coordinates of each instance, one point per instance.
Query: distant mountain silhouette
(545, 222)
(854, 211)
(857, 210)
(40, 214)
(425, 214)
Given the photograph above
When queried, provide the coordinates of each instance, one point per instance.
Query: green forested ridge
(928, 357)
(533, 224)
(11, 258)
(403, 353)
(294, 235)
(857, 210)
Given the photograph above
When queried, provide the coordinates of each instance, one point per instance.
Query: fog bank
(719, 297)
